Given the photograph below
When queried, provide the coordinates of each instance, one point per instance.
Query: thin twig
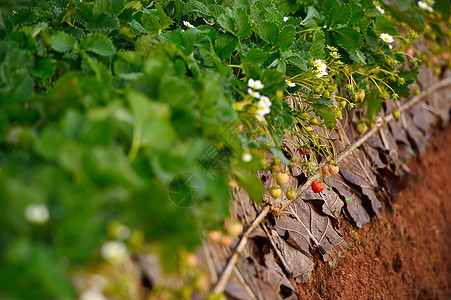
(220, 285)
(286, 268)
(219, 288)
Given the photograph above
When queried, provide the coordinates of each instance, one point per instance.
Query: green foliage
(114, 111)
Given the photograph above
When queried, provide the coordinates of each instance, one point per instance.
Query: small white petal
(285, 19)
(260, 117)
(380, 9)
(37, 213)
(188, 24)
(254, 93)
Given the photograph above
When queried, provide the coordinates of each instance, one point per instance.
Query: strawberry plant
(112, 112)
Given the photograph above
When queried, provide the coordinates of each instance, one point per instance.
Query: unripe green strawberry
(383, 96)
(304, 115)
(325, 171)
(334, 169)
(392, 78)
(362, 128)
(317, 89)
(416, 92)
(326, 94)
(275, 192)
(317, 187)
(291, 194)
(332, 88)
(282, 178)
(396, 114)
(308, 128)
(339, 115)
(355, 97)
(314, 121)
(343, 103)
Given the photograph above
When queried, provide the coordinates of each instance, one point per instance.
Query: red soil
(406, 254)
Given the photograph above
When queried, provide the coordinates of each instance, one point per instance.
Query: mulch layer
(407, 253)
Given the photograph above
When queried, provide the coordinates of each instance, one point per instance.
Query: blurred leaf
(98, 44)
(251, 184)
(63, 42)
(317, 50)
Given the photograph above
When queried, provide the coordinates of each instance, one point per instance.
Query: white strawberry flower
(320, 74)
(285, 19)
(424, 5)
(387, 38)
(114, 252)
(246, 157)
(335, 54)
(379, 8)
(92, 294)
(255, 84)
(37, 213)
(263, 109)
(264, 101)
(254, 93)
(188, 24)
(321, 68)
(290, 84)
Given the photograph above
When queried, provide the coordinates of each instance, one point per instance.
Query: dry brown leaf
(352, 203)
(356, 170)
(305, 228)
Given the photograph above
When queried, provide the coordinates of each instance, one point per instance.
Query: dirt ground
(405, 255)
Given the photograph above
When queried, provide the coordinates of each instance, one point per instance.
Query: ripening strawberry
(317, 186)
(215, 236)
(333, 169)
(304, 151)
(282, 178)
(362, 95)
(325, 171)
(291, 194)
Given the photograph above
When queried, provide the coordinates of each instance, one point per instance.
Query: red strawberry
(325, 171)
(317, 186)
